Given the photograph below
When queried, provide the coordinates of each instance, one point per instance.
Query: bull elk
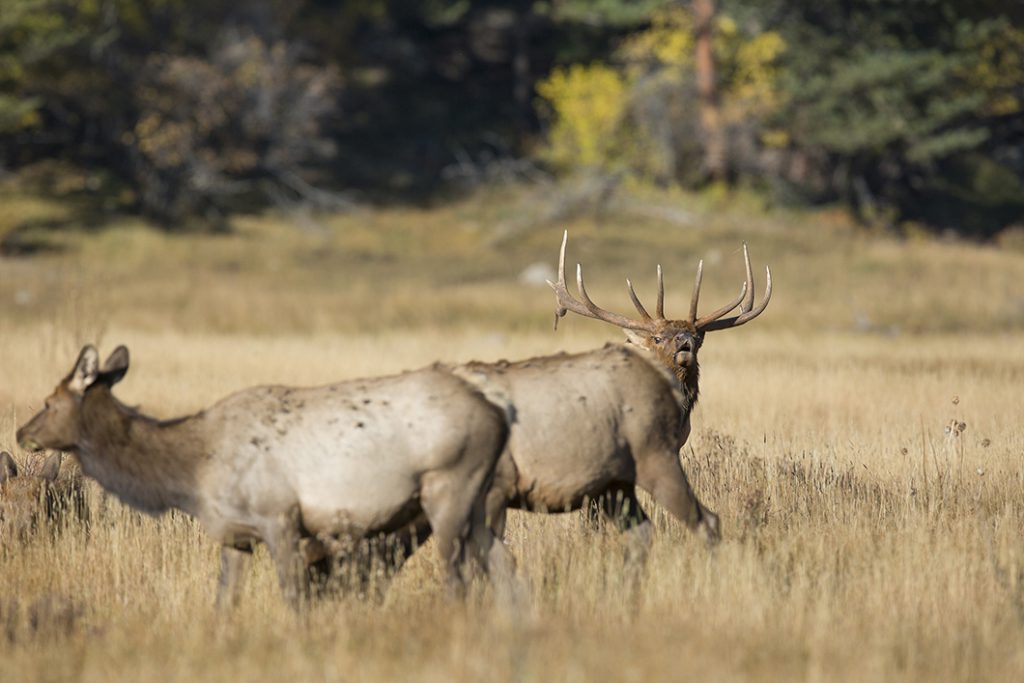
(294, 468)
(596, 425)
(31, 499)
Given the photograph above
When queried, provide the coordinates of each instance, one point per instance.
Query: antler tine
(607, 316)
(748, 301)
(660, 310)
(561, 258)
(746, 316)
(696, 291)
(636, 301)
(567, 302)
(710, 317)
(564, 302)
(583, 290)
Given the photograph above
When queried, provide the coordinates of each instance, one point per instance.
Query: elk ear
(116, 366)
(87, 369)
(51, 467)
(8, 468)
(637, 338)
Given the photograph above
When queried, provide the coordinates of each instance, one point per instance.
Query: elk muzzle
(28, 443)
(686, 350)
(26, 436)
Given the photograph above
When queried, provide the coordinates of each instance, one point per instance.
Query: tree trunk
(707, 91)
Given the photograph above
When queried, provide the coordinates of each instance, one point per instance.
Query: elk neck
(683, 380)
(149, 464)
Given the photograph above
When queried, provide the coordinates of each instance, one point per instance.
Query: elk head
(59, 424)
(673, 342)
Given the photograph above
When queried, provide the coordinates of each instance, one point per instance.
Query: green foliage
(994, 54)
(604, 12)
(904, 102)
(217, 127)
(888, 114)
(640, 115)
(902, 110)
(18, 112)
(880, 105)
(157, 91)
(31, 32)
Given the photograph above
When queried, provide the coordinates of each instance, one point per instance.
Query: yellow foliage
(747, 65)
(668, 41)
(775, 137)
(753, 86)
(163, 141)
(588, 103)
(29, 119)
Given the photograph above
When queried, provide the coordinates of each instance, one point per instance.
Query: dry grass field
(863, 540)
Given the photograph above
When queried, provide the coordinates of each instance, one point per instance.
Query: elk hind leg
(621, 507)
(384, 557)
(487, 528)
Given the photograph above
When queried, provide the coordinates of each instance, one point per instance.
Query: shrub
(641, 114)
(248, 119)
(587, 104)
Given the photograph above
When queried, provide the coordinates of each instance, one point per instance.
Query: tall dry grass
(863, 540)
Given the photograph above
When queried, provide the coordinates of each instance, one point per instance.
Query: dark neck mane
(687, 381)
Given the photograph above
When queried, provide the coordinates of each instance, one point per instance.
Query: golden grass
(861, 541)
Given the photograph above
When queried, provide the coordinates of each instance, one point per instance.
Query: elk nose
(27, 442)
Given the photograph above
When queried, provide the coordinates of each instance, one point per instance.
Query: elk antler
(745, 301)
(566, 302)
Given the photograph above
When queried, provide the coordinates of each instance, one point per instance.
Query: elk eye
(657, 340)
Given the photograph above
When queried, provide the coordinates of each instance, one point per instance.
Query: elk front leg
(662, 476)
(283, 541)
(234, 561)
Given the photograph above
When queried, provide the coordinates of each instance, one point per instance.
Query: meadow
(862, 442)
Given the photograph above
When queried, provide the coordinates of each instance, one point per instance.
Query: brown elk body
(294, 468)
(34, 499)
(594, 426)
(597, 425)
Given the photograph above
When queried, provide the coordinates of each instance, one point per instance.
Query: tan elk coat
(284, 465)
(598, 424)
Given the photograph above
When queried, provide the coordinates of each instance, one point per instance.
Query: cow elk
(36, 498)
(597, 425)
(299, 469)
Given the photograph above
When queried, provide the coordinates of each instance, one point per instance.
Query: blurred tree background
(187, 111)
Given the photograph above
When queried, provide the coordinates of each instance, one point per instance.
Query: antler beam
(585, 306)
(567, 302)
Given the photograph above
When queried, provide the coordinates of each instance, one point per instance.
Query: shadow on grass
(34, 237)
